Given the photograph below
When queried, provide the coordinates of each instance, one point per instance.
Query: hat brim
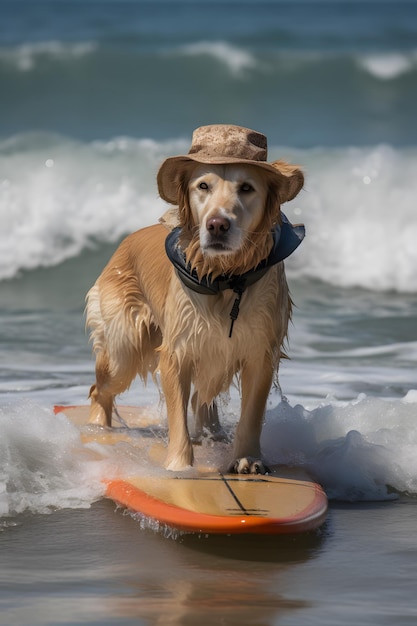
(168, 174)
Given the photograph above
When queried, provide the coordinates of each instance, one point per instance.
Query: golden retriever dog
(206, 303)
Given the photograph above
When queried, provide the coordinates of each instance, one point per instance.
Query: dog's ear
(184, 209)
(292, 180)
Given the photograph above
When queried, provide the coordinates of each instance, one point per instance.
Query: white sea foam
(235, 59)
(359, 208)
(360, 450)
(43, 465)
(389, 65)
(58, 197)
(25, 57)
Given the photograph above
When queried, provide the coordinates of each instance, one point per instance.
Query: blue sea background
(93, 96)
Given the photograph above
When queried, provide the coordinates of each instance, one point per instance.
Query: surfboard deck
(204, 501)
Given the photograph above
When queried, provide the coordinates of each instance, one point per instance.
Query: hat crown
(223, 140)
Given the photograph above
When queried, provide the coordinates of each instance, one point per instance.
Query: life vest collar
(286, 238)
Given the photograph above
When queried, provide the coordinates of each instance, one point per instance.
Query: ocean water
(94, 95)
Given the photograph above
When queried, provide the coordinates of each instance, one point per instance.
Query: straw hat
(217, 144)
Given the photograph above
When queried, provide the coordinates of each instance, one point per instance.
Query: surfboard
(202, 500)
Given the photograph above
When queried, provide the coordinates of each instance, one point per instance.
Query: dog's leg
(115, 371)
(100, 394)
(176, 385)
(101, 407)
(206, 421)
(256, 383)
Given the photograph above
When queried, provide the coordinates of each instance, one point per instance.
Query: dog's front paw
(248, 465)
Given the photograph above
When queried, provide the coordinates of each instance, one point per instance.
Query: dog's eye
(246, 188)
(203, 186)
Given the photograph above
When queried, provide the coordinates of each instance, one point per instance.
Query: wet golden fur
(144, 320)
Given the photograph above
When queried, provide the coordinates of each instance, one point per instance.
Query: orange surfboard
(203, 501)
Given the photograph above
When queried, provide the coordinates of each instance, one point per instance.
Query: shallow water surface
(96, 567)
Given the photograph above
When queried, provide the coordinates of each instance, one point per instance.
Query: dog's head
(227, 213)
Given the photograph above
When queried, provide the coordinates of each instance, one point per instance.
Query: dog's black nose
(218, 225)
